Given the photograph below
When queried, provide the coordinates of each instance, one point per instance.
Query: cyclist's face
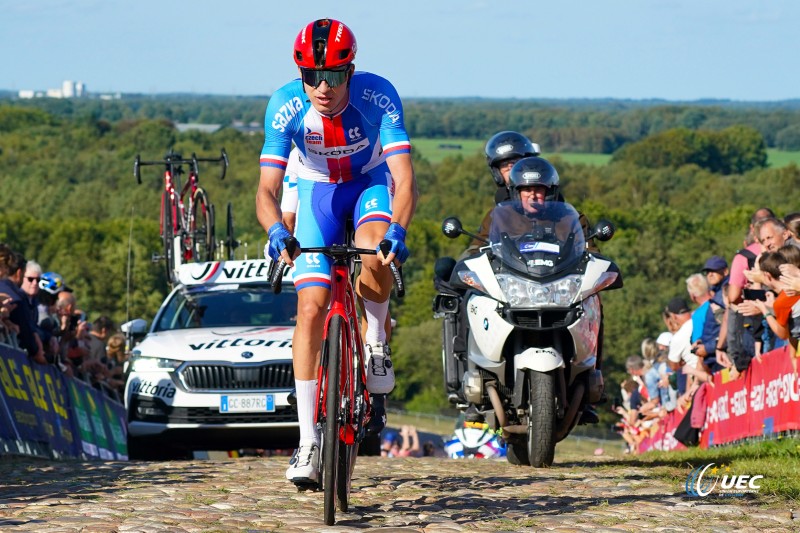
(326, 99)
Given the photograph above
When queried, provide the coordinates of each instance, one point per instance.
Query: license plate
(247, 403)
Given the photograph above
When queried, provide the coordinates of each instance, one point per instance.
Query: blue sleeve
(284, 116)
(698, 319)
(710, 332)
(383, 105)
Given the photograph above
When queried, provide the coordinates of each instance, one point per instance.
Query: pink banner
(764, 400)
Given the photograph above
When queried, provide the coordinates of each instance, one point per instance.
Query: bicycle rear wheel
(332, 348)
(201, 227)
(168, 236)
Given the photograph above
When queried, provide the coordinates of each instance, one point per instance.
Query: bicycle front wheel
(201, 227)
(332, 353)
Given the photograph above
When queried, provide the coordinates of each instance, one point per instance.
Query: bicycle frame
(343, 303)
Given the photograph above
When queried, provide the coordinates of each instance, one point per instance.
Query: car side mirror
(603, 230)
(135, 327)
(451, 227)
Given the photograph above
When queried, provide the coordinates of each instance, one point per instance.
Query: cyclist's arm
(268, 210)
(405, 189)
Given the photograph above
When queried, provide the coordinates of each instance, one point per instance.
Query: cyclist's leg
(372, 214)
(316, 226)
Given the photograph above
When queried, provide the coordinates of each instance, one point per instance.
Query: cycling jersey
(289, 196)
(340, 148)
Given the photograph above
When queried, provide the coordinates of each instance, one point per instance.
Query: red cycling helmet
(324, 44)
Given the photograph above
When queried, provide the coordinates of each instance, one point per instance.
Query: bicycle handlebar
(173, 159)
(336, 251)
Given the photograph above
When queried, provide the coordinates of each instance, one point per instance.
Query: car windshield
(540, 239)
(245, 305)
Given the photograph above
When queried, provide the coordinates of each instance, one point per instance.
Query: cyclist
(355, 160)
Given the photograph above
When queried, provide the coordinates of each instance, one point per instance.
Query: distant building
(69, 89)
(194, 126)
(252, 128)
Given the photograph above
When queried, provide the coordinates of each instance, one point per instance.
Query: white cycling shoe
(304, 465)
(380, 371)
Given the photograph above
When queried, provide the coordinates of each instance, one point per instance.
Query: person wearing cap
(716, 272)
(705, 328)
(680, 347)
(663, 340)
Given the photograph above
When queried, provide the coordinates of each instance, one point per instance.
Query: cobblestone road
(251, 494)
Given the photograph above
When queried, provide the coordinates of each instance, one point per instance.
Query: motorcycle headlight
(142, 363)
(521, 292)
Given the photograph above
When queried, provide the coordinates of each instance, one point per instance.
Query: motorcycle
(531, 299)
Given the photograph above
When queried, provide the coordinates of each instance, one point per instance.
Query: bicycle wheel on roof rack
(202, 227)
(168, 236)
(230, 241)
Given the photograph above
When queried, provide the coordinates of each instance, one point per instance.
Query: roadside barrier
(763, 403)
(44, 413)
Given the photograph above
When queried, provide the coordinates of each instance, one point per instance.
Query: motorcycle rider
(503, 151)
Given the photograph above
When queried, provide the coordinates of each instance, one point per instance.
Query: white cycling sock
(306, 407)
(376, 319)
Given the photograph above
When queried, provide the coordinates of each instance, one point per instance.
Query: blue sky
(671, 49)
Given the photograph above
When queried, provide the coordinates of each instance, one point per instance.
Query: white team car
(215, 369)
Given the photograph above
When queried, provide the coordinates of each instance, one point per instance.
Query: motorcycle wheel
(541, 418)
(517, 451)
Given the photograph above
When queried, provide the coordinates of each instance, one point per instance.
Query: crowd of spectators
(736, 315)
(40, 316)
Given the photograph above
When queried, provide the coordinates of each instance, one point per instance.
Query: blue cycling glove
(277, 240)
(397, 235)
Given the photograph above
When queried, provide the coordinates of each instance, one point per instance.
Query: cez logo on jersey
(313, 137)
(354, 134)
(286, 113)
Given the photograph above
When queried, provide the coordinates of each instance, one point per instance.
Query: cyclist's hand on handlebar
(396, 234)
(276, 248)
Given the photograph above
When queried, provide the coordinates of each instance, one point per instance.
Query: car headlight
(521, 292)
(142, 363)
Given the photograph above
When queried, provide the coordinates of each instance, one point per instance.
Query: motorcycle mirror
(451, 227)
(604, 230)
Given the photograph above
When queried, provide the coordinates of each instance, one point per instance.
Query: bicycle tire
(201, 227)
(167, 236)
(230, 242)
(330, 449)
(356, 413)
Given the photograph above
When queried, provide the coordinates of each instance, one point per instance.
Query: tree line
(69, 200)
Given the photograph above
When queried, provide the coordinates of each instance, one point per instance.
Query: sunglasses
(33, 280)
(334, 77)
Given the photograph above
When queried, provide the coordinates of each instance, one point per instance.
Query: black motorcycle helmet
(507, 145)
(531, 172)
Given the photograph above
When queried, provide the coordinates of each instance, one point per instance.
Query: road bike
(343, 405)
(187, 222)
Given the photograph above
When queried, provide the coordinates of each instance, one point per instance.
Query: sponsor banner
(62, 441)
(764, 400)
(15, 373)
(84, 425)
(43, 412)
(94, 405)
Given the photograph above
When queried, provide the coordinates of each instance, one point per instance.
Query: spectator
(736, 340)
(792, 222)
(117, 357)
(705, 328)
(12, 268)
(716, 273)
(772, 234)
(663, 340)
(681, 357)
(656, 378)
(101, 330)
(390, 445)
(777, 311)
(74, 330)
(410, 447)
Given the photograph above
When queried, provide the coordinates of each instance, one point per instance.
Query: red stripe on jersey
(329, 138)
(345, 163)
